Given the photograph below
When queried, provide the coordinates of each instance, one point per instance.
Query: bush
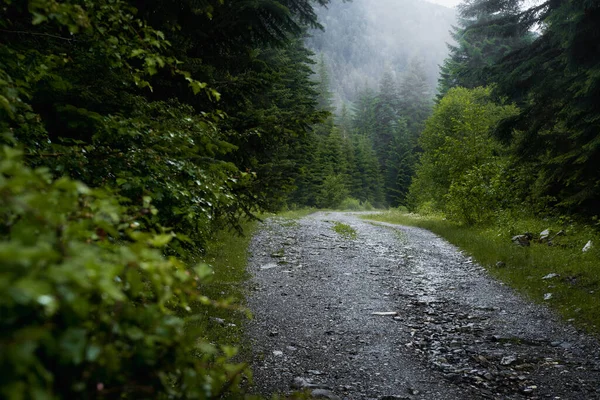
(90, 306)
(456, 140)
(367, 206)
(477, 196)
(350, 204)
(427, 208)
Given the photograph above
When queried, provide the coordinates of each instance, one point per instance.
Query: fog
(446, 3)
(364, 38)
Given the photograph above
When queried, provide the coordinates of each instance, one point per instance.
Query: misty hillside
(364, 38)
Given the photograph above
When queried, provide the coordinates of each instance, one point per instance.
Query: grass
(228, 257)
(289, 219)
(344, 230)
(575, 292)
(296, 214)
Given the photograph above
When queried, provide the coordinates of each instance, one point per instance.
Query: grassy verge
(575, 292)
(296, 214)
(228, 256)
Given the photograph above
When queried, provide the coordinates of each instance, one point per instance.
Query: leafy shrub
(367, 206)
(90, 306)
(428, 208)
(455, 140)
(476, 197)
(350, 204)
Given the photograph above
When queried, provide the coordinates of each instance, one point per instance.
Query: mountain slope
(365, 38)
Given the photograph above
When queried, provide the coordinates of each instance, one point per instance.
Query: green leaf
(161, 240)
(72, 345)
(203, 270)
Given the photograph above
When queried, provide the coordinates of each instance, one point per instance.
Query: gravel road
(448, 330)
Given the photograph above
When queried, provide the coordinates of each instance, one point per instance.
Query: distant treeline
(368, 152)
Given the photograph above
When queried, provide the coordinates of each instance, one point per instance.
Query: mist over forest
(363, 39)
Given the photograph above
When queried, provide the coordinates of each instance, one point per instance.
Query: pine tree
(364, 113)
(415, 97)
(325, 96)
(371, 187)
(555, 79)
(484, 35)
(386, 115)
(401, 164)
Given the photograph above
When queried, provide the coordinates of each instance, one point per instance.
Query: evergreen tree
(325, 97)
(415, 97)
(367, 164)
(555, 79)
(483, 37)
(401, 163)
(364, 113)
(386, 115)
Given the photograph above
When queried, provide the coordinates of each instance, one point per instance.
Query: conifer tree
(325, 97)
(364, 112)
(415, 97)
(483, 37)
(371, 188)
(401, 164)
(555, 79)
(386, 115)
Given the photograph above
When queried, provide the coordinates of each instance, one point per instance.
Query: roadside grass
(575, 292)
(289, 218)
(344, 230)
(227, 254)
(296, 214)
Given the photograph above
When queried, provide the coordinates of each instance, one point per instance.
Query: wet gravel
(399, 313)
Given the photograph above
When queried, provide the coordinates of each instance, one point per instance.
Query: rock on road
(399, 313)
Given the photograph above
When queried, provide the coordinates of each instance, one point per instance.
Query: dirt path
(457, 334)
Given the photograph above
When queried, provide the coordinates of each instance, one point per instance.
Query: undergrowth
(227, 254)
(344, 230)
(576, 289)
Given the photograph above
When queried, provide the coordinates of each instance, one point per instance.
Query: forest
(131, 132)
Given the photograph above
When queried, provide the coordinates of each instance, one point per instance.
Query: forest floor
(351, 309)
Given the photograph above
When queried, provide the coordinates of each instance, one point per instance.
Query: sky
(447, 3)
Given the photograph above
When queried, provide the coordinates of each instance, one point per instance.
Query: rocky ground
(398, 313)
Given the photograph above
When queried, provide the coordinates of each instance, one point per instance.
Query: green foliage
(352, 204)
(179, 114)
(368, 182)
(456, 145)
(553, 74)
(478, 195)
(415, 97)
(482, 39)
(90, 305)
(344, 230)
(332, 192)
